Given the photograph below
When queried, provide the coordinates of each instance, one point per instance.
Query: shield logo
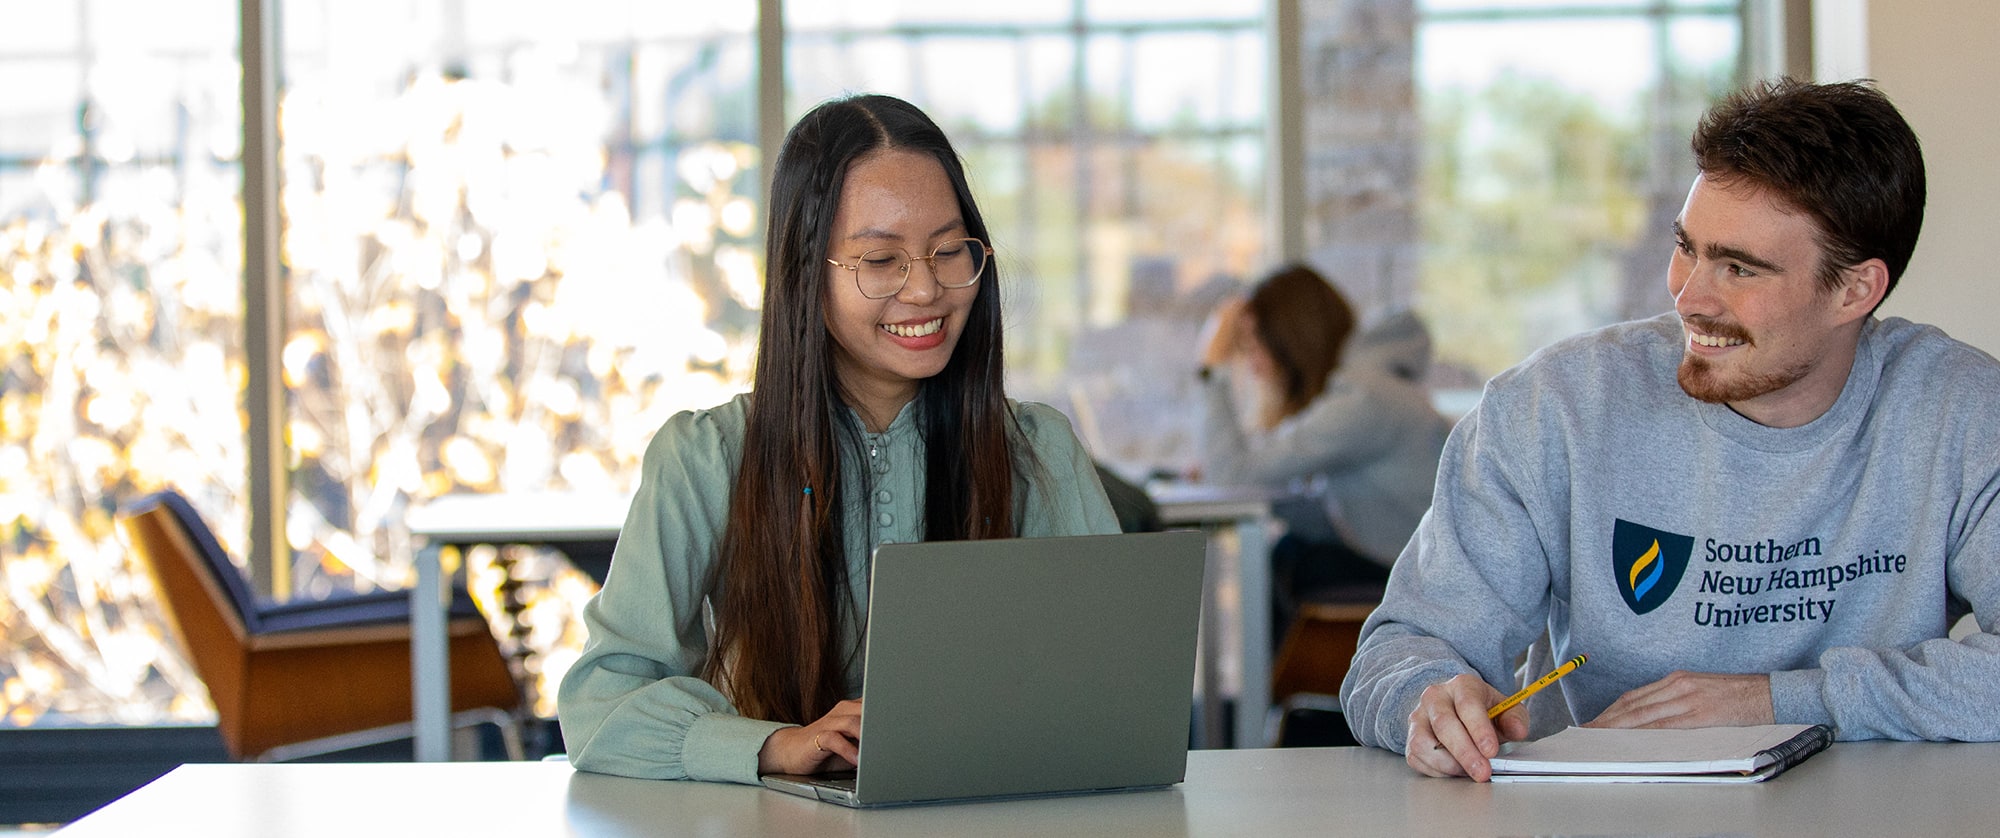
(1647, 563)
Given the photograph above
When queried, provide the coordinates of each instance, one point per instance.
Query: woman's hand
(1224, 332)
(831, 744)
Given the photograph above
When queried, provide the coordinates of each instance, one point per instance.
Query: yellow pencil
(1536, 687)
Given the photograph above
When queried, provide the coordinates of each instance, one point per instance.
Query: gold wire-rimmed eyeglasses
(882, 272)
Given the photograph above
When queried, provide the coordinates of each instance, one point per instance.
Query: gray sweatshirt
(1590, 497)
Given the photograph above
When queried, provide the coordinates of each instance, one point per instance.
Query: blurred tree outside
(1545, 213)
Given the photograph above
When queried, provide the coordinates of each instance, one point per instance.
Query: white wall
(1940, 61)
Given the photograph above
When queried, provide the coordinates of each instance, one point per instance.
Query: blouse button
(882, 496)
(885, 519)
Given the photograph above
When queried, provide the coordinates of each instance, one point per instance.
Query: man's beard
(1700, 379)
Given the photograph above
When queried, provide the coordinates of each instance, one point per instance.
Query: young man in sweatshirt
(1767, 506)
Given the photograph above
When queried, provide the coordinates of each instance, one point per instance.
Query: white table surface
(520, 517)
(1853, 788)
(560, 517)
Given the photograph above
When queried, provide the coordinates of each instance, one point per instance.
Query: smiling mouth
(1715, 341)
(928, 327)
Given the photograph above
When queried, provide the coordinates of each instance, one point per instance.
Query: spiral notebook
(1750, 754)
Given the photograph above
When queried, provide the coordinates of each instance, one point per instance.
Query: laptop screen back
(1029, 666)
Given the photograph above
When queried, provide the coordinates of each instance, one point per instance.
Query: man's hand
(1450, 735)
(1692, 699)
(831, 744)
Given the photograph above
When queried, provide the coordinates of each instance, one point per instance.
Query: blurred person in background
(1339, 423)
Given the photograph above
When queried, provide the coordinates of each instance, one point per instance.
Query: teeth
(917, 331)
(1712, 340)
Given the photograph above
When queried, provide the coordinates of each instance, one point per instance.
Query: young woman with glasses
(726, 640)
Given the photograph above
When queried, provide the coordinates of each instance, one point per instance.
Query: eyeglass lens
(957, 263)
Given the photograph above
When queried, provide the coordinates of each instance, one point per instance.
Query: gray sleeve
(633, 703)
(1470, 591)
(1348, 423)
(1940, 689)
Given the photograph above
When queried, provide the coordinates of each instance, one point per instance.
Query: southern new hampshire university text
(1803, 607)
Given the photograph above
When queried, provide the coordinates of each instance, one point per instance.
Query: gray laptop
(1024, 667)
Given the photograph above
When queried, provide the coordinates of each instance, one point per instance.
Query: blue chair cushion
(355, 609)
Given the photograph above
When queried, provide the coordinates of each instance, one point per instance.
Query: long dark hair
(782, 585)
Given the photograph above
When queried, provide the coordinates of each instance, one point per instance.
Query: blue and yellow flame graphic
(1649, 563)
(1646, 562)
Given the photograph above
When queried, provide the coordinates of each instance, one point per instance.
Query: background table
(1247, 511)
(584, 522)
(1854, 788)
(583, 525)
(591, 521)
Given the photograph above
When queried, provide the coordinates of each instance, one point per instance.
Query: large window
(1117, 150)
(517, 236)
(121, 340)
(1555, 159)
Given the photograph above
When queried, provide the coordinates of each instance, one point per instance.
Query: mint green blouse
(633, 704)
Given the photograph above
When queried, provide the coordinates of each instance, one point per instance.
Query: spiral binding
(1793, 751)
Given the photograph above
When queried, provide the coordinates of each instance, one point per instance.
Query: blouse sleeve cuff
(723, 747)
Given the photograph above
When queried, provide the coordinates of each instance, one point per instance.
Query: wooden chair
(1313, 660)
(301, 678)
